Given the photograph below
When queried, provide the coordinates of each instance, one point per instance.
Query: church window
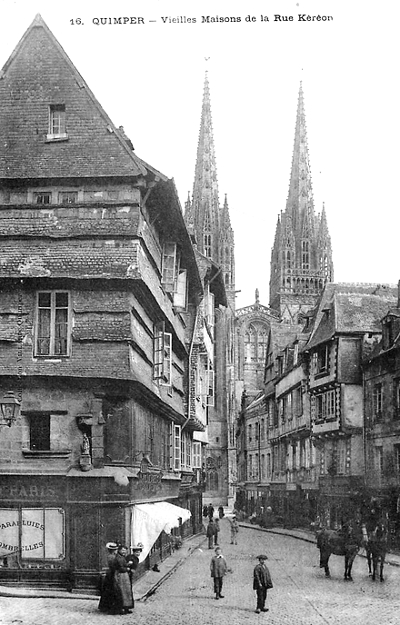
(305, 255)
(288, 260)
(207, 238)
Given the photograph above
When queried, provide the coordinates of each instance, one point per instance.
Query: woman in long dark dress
(122, 582)
(107, 597)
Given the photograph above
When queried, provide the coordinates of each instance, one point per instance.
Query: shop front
(53, 529)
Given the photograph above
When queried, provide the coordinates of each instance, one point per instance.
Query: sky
(149, 78)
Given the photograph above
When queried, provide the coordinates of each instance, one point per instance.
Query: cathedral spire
(202, 217)
(301, 259)
(300, 203)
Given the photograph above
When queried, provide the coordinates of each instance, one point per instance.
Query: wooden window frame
(175, 447)
(162, 355)
(52, 323)
(57, 123)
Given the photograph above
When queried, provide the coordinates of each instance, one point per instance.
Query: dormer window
(57, 126)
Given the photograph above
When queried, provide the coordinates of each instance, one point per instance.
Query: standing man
(218, 569)
(217, 530)
(261, 582)
(210, 533)
(210, 511)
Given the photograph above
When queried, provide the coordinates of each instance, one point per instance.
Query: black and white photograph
(199, 312)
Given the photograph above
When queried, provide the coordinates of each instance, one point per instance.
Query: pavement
(143, 588)
(147, 585)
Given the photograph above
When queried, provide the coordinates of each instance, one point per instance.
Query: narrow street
(301, 594)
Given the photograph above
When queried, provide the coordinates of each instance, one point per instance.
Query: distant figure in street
(218, 569)
(205, 510)
(234, 530)
(210, 511)
(217, 530)
(221, 512)
(261, 582)
(210, 533)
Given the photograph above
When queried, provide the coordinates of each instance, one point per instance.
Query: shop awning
(150, 519)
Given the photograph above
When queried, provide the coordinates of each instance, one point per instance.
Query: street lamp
(9, 409)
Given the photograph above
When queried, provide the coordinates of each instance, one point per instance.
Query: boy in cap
(261, 582)
(218, 569)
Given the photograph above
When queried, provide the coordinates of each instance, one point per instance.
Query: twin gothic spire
(301, 258)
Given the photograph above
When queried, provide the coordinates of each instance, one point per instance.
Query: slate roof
(351, 309)
(39, 74)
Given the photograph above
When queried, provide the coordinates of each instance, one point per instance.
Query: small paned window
(162, 355)
(57, 125)
(196, 455)
(321, 360)
(68, 197)
(175, 447)
(42, 197)
(52, 327)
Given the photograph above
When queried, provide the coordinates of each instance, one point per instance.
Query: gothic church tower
(205, 219)
(210, 227)
(301, 258)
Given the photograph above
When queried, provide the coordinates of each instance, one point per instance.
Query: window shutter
(159, 351)
(177, 447)
(167, 360)
(211, 386)
(180, 295)
(169, 266)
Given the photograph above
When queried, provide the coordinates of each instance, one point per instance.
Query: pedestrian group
(116, 591)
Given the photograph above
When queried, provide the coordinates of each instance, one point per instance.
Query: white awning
(150, 519)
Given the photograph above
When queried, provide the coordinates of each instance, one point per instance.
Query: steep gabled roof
(39, 74)
(351, 308)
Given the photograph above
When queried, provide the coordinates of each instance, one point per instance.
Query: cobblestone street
(301, 594)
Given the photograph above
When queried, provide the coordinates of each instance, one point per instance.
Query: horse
(376, 548)
(346, 542)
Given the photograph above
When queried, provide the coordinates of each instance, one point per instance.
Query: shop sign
(34, 533)
(21, 490)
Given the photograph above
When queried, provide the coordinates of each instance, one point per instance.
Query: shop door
(86, 523)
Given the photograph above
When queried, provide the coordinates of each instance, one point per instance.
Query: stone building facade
(100, 321)
(346, 325)
(381, 377)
